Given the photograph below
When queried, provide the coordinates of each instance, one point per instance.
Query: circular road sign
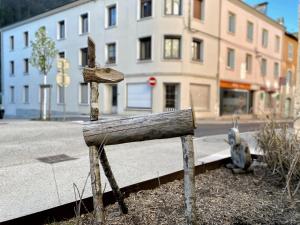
(152, 81)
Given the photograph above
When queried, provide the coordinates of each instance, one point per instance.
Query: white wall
(126, 35)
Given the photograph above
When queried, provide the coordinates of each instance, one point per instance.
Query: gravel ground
(222, 198)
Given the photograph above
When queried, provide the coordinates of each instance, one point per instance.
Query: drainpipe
(218, 102)
(190, 15)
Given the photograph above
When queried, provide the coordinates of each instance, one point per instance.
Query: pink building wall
(238, 41)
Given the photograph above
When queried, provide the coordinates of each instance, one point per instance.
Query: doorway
(114, 99)
(288, 106)
(171, 97)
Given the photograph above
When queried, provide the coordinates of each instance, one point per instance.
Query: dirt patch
(222, 198)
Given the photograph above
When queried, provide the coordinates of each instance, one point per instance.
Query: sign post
(63, 79)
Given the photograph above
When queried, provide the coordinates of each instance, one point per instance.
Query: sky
(282, 8)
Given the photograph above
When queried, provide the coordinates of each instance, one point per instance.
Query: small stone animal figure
(240, 152)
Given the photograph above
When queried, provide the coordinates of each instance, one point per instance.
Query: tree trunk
(141, 128)
(44, 113)
(189, 179)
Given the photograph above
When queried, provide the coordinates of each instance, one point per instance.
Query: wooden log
(140, 128)
(112, 181)
(93, 150)
(189, 179)
(102, 75)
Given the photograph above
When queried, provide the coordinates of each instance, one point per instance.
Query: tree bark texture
(96, 186)
(93, 150)
(112, 181)
(140, 128)
(189, 179)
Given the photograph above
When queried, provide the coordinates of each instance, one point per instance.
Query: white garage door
(139, 95)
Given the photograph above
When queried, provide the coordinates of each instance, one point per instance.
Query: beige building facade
(288, 77)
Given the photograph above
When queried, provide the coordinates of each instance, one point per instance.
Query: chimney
(262, 7)
(281, 21)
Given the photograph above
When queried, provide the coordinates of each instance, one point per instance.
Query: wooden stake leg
(96, 186)
(112, 181)
(189, 179)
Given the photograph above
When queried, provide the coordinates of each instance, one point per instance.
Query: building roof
(292, 35)
(81, 2)
(45, 14)
(256, 12)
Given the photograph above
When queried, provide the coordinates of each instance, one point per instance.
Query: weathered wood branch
(96, 186)
(111, 179)
(189, 179)
(93, 150)
(140, 128)
(102, 75)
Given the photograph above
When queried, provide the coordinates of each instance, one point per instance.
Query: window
(26, 39)
(197, 50)
(26, 94)
(277, 43)
(61, 55)
(276, 70)
(146, 8)
(230, 58)
(84, 20)
(199, 9)
(290, 51)
(84, 57)
(268, 100)
(12, 43)
(173, 7)
(84, 93)
(139, 95)
(60, 95)
(26, 66)
(111, 53)
(145, 48)
(12, 68)
(231, 22)
(112, 16)
(248, 63)
(265, 37)
(172, 47)
(12, 94)
(200, 95)
(263, 68)
(61, 30)
(250, 29)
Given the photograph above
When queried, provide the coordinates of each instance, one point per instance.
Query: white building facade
(174, 41)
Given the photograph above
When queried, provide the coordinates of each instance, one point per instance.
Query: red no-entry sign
(152, 81)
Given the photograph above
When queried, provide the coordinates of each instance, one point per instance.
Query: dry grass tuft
(281, 148)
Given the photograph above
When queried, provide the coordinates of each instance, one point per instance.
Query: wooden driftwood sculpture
(149, 127)
(239, 150)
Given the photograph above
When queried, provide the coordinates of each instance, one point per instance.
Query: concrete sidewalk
(28, 185)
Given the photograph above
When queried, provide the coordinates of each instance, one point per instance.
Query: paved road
(215, 129)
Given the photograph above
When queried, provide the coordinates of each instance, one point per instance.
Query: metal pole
(64, 90)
